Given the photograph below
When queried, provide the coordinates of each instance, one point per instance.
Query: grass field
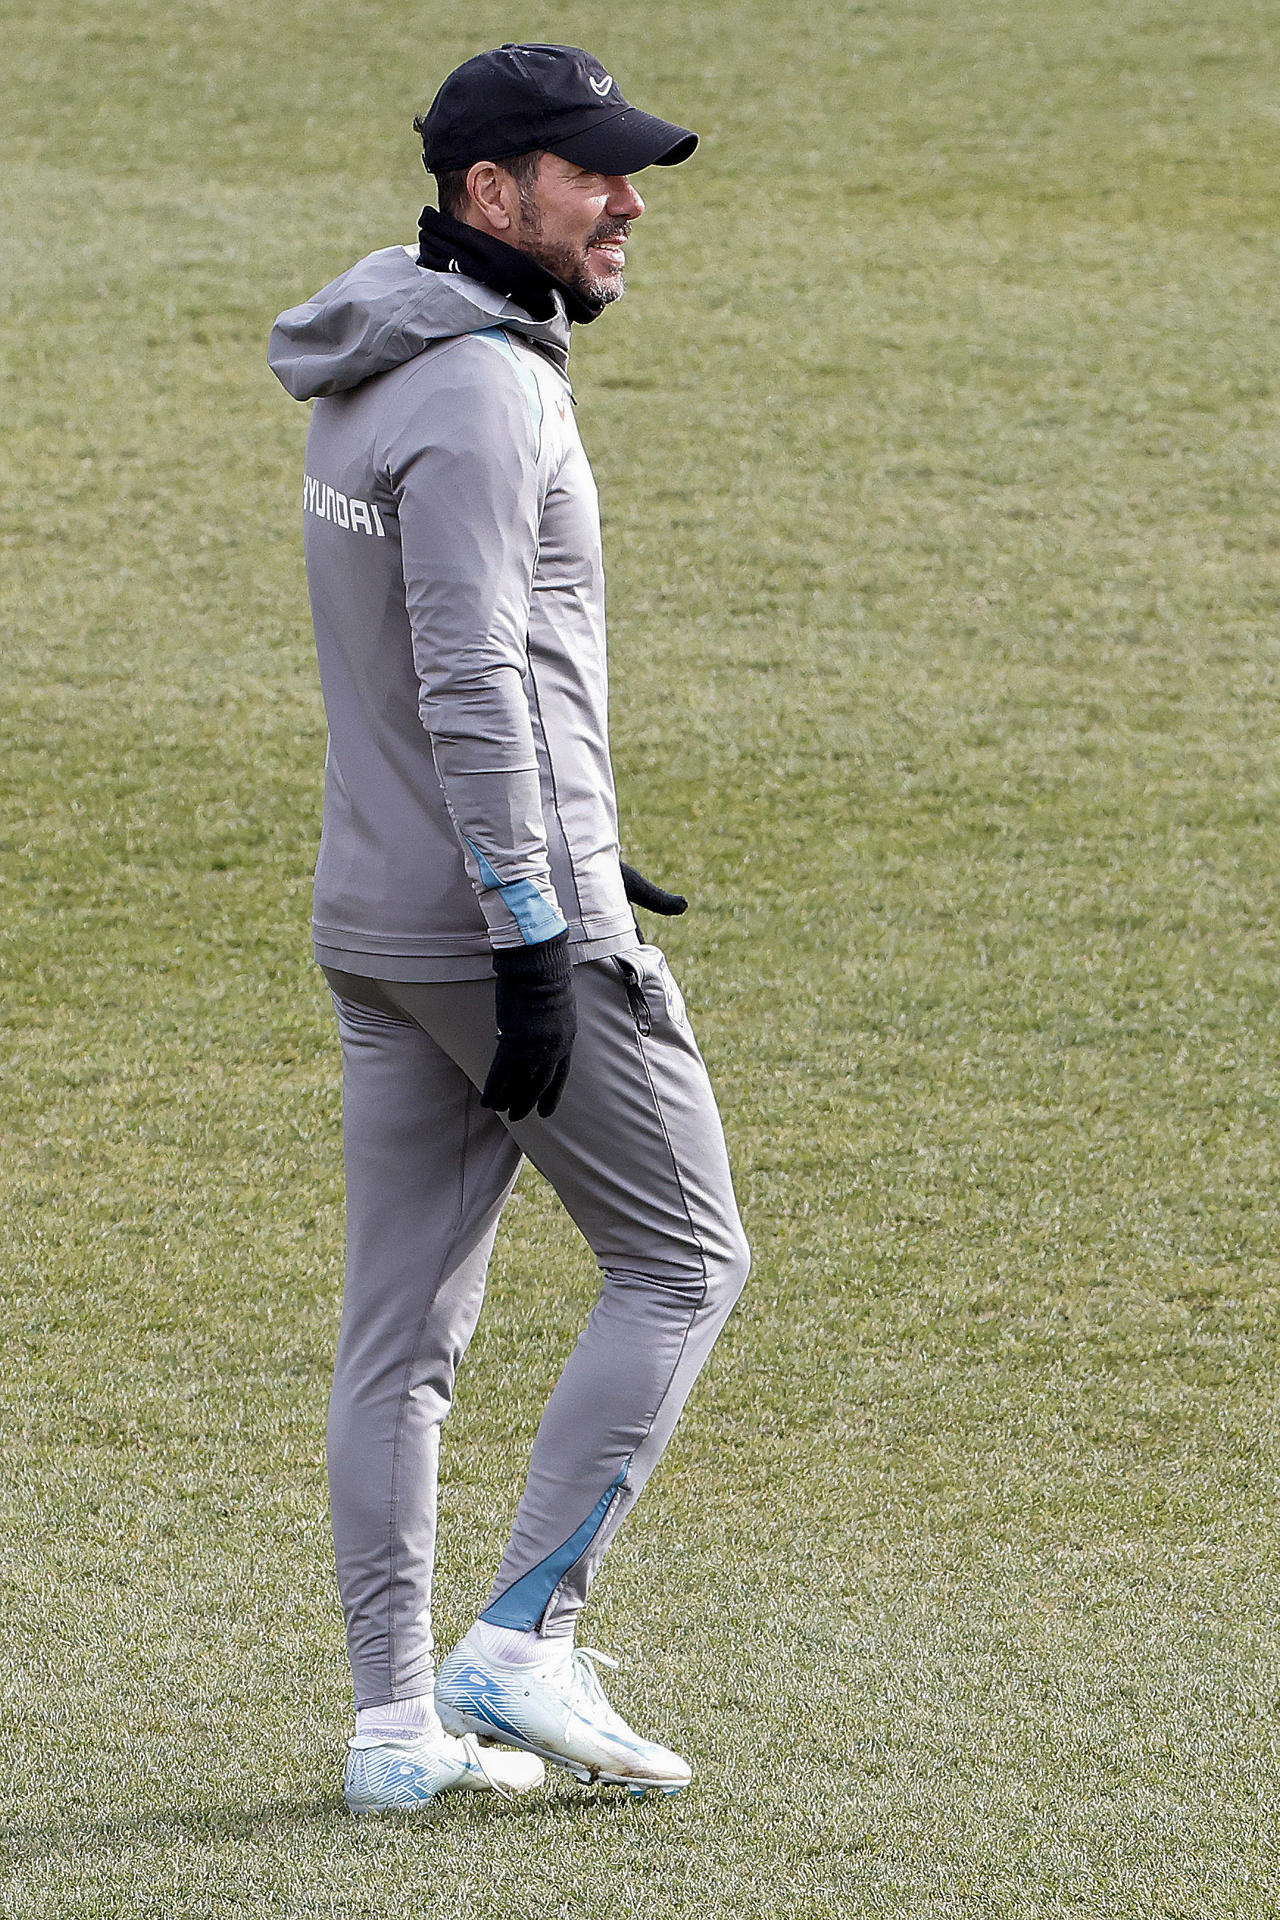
(937, 444)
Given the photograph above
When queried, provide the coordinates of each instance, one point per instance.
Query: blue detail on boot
(526, 1600)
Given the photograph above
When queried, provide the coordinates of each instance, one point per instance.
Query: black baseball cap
(516, 99)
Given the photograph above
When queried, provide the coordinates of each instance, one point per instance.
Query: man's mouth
(611, 248)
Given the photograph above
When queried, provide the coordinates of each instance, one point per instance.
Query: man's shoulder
(487, 374)
(482, 356)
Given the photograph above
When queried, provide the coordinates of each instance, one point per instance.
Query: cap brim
(626, 142)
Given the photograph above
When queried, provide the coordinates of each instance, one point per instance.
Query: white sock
(520, 1649)
(401, 1719)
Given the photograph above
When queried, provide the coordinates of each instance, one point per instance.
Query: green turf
(936, 440)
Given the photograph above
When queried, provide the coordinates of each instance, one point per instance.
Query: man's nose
(624, 203)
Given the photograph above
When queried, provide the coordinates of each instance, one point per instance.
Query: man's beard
(569, 263)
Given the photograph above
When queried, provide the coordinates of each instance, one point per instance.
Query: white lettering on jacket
(357, 516)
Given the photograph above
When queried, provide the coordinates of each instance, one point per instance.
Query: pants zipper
(635, 999)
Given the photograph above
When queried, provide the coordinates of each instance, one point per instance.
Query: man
(493, 994)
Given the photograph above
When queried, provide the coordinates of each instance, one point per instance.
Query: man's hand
(536, 1026)
(643, 893)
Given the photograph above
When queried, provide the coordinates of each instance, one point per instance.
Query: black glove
(536, 1025)
(643, 893)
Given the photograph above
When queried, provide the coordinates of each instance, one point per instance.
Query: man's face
(576, 225)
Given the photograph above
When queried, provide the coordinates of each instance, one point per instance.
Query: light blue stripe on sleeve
(528, 378)
(532, 912)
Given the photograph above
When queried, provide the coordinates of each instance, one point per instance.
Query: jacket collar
(450, 246)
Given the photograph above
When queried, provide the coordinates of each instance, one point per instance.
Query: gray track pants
(636, 1153)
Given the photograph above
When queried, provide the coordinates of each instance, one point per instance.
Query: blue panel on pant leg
(523, 1604)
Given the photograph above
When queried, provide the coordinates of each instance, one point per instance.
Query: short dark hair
(451, 185)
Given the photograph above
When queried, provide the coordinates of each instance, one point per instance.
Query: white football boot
(558, 1712)
(386, 1776)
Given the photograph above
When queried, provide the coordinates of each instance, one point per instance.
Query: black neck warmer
(449, 246)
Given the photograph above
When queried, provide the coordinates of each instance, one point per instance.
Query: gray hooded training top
(452, 535)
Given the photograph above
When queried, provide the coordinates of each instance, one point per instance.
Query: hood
(384, 311)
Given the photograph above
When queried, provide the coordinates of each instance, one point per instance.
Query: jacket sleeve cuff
(536, 917)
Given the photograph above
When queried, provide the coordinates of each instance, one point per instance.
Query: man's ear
(492, 192)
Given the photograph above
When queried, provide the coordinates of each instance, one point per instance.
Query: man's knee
(733, 1270)
(700, 1275)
